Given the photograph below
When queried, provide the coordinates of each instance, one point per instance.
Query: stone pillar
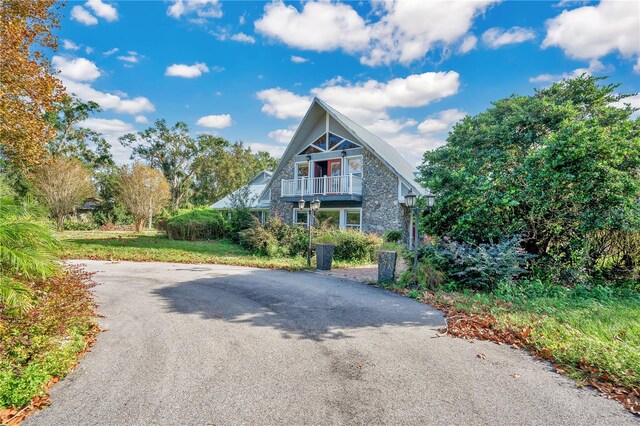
(324, 256)
(387, 265)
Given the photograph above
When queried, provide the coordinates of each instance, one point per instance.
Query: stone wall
(278, 207)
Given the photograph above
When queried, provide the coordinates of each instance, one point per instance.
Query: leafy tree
(26, 249)
(28, 86)
(72, 140)
(557, 167)
(144, 191)
(62, 184)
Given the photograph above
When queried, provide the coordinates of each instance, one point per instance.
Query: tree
(557, 167)
(62, 184)
(170, 150)
(72, 140)
(26, 249)
(28, 86)
(225, 167)
(144, 191)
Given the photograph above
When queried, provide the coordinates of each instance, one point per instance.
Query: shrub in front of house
(79, 225)
(197, 224)
(274, 239)
(352, 245)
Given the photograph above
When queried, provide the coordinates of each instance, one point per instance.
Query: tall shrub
(144, 192)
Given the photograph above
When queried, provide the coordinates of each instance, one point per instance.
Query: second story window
(354, 166)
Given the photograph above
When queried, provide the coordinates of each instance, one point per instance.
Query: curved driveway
(208, 344)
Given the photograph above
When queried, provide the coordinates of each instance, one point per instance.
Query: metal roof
(256, 185)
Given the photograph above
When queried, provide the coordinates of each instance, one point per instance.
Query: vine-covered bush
(275, 238)
(198, 224)
(482, 266)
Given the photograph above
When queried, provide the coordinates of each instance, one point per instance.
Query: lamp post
(314, 206)
(410, 201)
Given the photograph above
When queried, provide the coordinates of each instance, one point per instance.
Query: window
(311, 149)
(301, 217)
(347, 145)
(328, 218)
(352, 220)
(330, 143)
(354, 166)
(334, 140)
(302, 170)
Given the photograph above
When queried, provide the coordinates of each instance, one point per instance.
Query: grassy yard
(592, 335)
(124, 245)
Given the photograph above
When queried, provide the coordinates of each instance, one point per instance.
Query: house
(359, 179)
(248, 197)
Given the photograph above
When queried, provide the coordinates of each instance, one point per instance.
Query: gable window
(325, 143)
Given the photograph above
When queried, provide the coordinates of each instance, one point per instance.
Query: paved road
(206, 344)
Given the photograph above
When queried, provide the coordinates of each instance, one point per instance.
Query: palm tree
(27, 247)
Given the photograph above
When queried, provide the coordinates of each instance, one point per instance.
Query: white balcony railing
(327, 185)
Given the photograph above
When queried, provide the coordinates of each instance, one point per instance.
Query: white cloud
(408, 30)
(634, 101)
(111, 130)
(591, 32)
(283, 104)
(88, 50)
(298, 59)
(132, 58)
(595, 66)
(281, 135)
(636, 67)
(201, 8)
(116, 101)
(369, 100)
(111, 51)
(320, 26)
(103, 10)
(274, 150)
(442, 122)
(498, 37)
(220, 121)
(82, 15)
(468, 44)
(69, 45)
(141, 119)
(186, 71)
(243, 38)
(77, 69)
(405, 31)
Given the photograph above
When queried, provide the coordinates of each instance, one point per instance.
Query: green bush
(394, 236)
(198, 224)
(275, 238)
(80, 225)
(351, 244)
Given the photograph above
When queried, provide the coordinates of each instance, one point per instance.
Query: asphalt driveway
(208, 344)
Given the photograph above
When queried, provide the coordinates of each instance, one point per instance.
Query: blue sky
(406, 70)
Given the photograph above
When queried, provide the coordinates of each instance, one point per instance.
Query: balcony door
(334, 168)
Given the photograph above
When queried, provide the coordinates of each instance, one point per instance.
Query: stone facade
(381, 210)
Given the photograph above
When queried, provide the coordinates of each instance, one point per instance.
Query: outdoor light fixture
(315, 205)
(410, 199)
(301, 203)
(344, 153)
(431, 199)
(308, 158)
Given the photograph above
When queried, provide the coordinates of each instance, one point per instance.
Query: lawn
(592, 335)
(153, 246)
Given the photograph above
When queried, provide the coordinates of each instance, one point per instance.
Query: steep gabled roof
(381, 149)
(256, 185)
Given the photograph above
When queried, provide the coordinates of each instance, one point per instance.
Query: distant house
(359, 179)
(87, 208)
(249, 195)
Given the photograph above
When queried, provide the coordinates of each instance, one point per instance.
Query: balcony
(346, 187)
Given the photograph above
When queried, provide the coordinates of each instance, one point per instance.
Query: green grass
(122, 245)
(598, 328)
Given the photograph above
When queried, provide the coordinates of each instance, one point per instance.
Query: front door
(335, 171)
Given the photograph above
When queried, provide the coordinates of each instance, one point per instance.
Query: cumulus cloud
(498, 37)
(298, 59)
(141, 119)
(111, 51)
(82, 15)
(275, 150)
(187, 71)
(441, 122)
(201, 8)
(77, 69)
(320, 26)
(103, 10)
(595, 66)
(633, 101)
(243, 38)
(69, 45)
(131, 57)
(220, 121)
(468, 44)
(281, 135)
(405, 31)
(591, 32)
(119, 102)
(283, 104)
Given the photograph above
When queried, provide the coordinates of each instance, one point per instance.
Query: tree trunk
(60, 222)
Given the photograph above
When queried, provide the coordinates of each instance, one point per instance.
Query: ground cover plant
(197, 224)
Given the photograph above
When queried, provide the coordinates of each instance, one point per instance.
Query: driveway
(207, 344)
